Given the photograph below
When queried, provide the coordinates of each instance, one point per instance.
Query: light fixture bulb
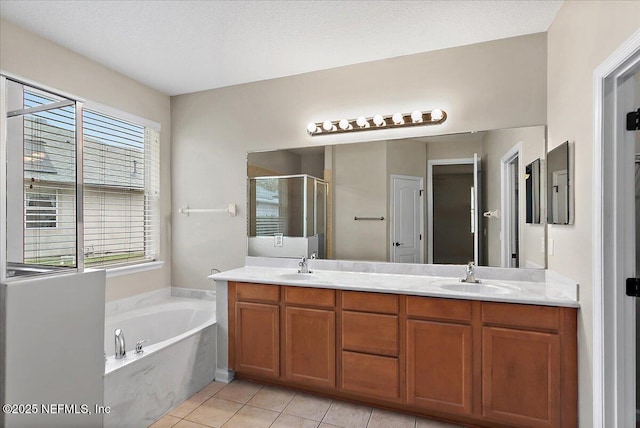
(361, 121)
(311, 127)
(398, 119)
(344, 124)
(436, 114)
(416, 116)
(328, 126)
(378, 120)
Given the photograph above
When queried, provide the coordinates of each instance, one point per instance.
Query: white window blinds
(121, 191)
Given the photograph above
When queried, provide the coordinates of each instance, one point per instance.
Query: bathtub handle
(139, 343)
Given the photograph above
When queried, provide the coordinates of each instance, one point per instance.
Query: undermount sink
(464, 287)
(297, 276)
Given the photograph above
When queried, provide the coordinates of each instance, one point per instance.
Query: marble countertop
(499, 290)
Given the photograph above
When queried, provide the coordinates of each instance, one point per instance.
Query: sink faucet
(303, 266)
(471, 273)
(121, 350)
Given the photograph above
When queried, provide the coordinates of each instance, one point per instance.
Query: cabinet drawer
(371, 333)
(371, 375)
(319, 297)
(257, 292)
(442, 309)
(515, 315)
(370, 302)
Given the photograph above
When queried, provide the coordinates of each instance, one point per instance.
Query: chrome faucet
(471, 274)
(139, 344)
(303, 266)
(121, 350)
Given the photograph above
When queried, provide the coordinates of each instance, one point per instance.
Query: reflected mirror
(444, 199)
(559, 185)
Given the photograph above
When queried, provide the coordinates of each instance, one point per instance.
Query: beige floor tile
(428, 423)
(212, 388)
(347, 415)
(239, 391)
(291, 421)
(188, 424)
(214, 412)
(308, 406)
(167, 421)
(189, 405)
(386, 419)
(252, 417)
(271, 398)
(323, 425)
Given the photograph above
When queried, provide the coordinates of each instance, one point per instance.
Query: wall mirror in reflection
(559, 186)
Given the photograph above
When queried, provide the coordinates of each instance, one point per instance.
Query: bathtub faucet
(121, 350)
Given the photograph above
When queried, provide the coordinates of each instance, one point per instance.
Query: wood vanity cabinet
(310, 336)
(439, 354)
(256, 341)
(474, 362)
(370, 345)
(529, 367)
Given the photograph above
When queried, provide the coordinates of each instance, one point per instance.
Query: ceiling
(185, 46)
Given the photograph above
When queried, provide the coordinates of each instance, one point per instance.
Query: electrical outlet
(277, 240)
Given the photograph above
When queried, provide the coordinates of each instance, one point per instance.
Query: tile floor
(252, 405)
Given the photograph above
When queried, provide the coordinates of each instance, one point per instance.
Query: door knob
(397, 244)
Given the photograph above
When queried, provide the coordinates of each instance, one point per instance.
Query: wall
(31, 57)
(492, 85)
(581, 37)
(360, 189)
(284, 163)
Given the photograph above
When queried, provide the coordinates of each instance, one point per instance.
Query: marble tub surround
(179, 360)
(194, 293)
(524, 286)
(155, 297)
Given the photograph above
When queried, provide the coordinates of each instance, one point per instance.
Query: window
(121, 190)
(119, 176)
(41, 210)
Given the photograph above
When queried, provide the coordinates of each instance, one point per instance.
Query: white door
(406, 219)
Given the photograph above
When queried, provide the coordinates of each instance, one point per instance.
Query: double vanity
(413, 338)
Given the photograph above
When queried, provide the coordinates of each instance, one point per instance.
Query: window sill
(127, 270)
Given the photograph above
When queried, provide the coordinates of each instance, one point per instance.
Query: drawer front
(527, 316)
(370, 302)
(257, 292)
(371, 333)
(441, 309)
(371, 375)
(318, 297)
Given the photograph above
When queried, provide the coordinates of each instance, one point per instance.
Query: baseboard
(224, 375)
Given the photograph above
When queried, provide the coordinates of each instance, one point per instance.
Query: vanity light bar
(396, 120)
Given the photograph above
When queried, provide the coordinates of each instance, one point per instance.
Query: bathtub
(178, 360)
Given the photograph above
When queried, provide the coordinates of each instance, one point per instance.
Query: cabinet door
(439, 366)
(257, 339)
(521, 377)
(310, 346)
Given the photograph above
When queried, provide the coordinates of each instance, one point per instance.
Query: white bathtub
(179, 360)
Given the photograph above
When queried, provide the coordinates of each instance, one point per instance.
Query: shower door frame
(79, 182)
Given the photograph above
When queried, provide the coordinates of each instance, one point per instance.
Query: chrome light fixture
(397, 120)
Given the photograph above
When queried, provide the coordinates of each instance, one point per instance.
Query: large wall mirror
(447, 200)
